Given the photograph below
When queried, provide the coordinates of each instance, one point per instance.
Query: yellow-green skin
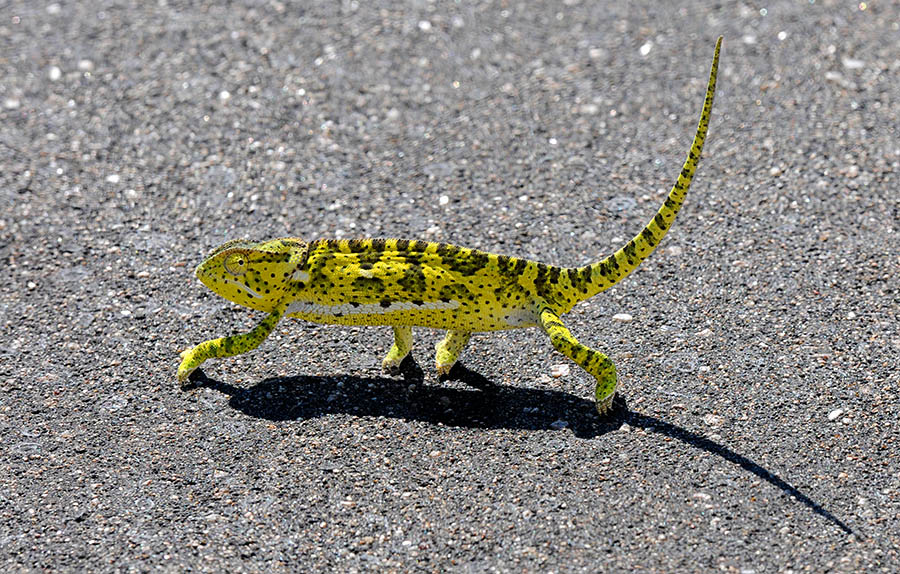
(407, 283)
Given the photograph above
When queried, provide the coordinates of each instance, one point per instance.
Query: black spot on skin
(385, 303)
(520, 266)
(378, 244)
(554, 275)
(357, 245)
(629, 251)
(418, 302)
(446, 250)
(479, 259)
(367, 285)
(402, 244)
(586, 273)
(503, 261)
(413, 279)
(458, 291)
(366, 265)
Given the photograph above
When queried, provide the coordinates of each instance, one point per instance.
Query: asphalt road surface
(756, 428)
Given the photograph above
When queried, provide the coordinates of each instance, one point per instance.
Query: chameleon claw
(605, 406)
(187, 370)
(391, 368)
(605, 391)
(444, 370)
(184, 376)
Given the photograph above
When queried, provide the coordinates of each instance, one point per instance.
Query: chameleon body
(407, 283)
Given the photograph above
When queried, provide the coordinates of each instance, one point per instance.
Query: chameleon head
(255, 275)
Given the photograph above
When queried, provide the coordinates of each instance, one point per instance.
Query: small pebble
(622, 318)
(833, 415)
(11, 103)
(224, 95)
(85, 65)
(775, 171)
(424, 25)
(853, 64)
(557, 371)
(54, 73)
(443, 200)
(559, 424)
(713, 420)
(853, 171)
(113, 178)
(645, 49)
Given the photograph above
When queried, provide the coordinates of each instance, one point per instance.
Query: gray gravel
(757, 425)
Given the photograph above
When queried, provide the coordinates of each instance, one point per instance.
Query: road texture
(757, 425)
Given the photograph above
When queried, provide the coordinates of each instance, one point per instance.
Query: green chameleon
(407, 283)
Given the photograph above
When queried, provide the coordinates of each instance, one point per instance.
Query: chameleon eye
(236, 264)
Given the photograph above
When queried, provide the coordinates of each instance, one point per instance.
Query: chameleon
(405, 283)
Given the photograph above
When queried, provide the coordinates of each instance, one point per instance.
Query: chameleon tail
(606, 273)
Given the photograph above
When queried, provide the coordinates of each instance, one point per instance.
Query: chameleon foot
(443, 370)
(399, 350)
(605, 392)
(448, 349)
(392, 366)
(188, 366)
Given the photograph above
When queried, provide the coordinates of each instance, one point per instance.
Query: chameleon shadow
(470, 400)
(653, 424)
(484, 405)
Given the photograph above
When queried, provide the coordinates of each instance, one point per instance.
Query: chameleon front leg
(449, 348)
(403, 340)
(594, 362)
(228, 346)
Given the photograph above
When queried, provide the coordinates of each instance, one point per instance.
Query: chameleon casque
(407, 283)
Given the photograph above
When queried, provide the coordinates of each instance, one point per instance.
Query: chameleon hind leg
(594, 362)
(449, 348)
(227, 346)
(403, 340)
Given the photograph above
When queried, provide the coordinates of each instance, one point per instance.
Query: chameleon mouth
(240, 285)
